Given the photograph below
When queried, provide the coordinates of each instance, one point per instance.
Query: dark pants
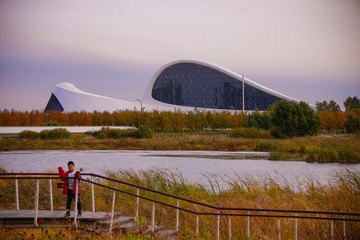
(70, 197)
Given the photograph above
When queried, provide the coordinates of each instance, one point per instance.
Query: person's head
(71, 166)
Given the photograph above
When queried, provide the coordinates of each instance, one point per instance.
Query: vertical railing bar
(76, 202)
(137, 202)
(296, 227)
(197, 225)
(51, 194)
(177, 215)
(278, 225)
(112, 212)
(218, 226)
(37, 203)
(92, 194)
(153, 220)
(17, 193)
(229, 227)
(332, 229)
(344, 228)
(248, 224)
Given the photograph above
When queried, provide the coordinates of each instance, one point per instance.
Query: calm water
(195, 166)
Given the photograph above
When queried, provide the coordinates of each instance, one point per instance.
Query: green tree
(352, 103)
(292, 119)
(352, 124)
(259, 120)
(332, 106)
(321, 106)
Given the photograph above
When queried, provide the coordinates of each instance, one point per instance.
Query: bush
(113, 133)
(52, 123)
(144, 131)
(29, 134)
(276, 132)
(248, 133)
(58, 133)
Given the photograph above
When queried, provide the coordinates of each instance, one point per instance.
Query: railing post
(137, 202)
(344, 229)
(17, 193)
(218, 226)
(296, 227)
(278, 226)
(51, 194)
(248, 224)
(177, 215)
(76, 202)
(197, 225)
(229, 228)
(92, 194)
(153, 219)
(112, 212)
(36, 203)
(332, 229)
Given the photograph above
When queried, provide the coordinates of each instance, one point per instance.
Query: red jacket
(63, 175)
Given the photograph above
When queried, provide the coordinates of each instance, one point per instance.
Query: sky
(306, 49)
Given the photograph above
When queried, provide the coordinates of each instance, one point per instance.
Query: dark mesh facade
(195, 85)
(54, 104)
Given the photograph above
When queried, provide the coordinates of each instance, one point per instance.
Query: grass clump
(58, 133)
(112, 133)
(105, 132)
(249, 133)
(29, 134)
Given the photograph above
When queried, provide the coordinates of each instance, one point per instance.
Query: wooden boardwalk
(46, 214)
(98, 222)
(46, 218)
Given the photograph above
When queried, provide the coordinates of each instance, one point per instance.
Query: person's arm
(78, 174)
(61, 173)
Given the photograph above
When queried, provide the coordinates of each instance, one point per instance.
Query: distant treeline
(175, 121)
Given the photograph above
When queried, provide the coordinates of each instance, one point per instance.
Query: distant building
(182, 85)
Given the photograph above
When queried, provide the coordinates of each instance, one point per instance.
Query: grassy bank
(241, 191)
(336, 148)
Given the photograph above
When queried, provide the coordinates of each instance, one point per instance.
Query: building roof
(73, 99)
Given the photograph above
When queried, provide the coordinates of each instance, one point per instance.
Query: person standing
(70, 186)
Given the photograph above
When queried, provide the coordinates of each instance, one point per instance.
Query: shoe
(67, 214)
(79, 214)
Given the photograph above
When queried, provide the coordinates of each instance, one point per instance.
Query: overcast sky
(306, 49)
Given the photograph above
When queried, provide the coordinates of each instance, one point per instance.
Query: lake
(195, 166)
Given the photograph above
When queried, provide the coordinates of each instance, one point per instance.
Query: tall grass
(239, 191)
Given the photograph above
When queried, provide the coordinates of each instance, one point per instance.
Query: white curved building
(182, 85)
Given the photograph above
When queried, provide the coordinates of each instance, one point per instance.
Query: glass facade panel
(194, 85)
(258, 99)
(54, 104)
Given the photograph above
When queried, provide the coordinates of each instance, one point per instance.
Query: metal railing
(219, 211)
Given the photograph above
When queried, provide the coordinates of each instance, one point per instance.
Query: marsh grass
(240, 191)
(338, 148)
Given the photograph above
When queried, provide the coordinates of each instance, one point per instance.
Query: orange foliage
(331, 121)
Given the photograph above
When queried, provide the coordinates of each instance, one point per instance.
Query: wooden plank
(45, 214)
